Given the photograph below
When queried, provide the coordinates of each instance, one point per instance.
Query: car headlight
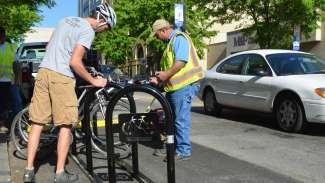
(320, 92)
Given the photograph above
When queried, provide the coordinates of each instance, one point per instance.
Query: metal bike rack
(109, 132)
(85, 123)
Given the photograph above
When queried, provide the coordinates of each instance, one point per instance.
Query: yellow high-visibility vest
(6, 62)
(190, 73)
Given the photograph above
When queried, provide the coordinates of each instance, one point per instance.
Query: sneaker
(29, 175)
(65, 177)
(159, 152)
(179, 158)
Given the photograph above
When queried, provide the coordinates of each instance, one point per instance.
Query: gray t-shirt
(69, 32)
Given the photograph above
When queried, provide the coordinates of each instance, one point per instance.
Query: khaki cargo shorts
(54, 98)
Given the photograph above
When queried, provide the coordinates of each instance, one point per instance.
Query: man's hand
(99, 82)
(153, 80)
(165, 75)
(162, 75)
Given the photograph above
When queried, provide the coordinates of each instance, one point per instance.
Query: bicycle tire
(99, 140)
(46, 139)
(19, 135)
(15, 136)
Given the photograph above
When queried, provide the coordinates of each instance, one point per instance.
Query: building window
(85, 8)
(140, 52)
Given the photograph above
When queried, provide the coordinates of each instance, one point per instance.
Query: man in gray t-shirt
(54, 97)
(69, 32)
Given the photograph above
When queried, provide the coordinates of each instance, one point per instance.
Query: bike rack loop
(109, 132)
(86, 129)
(86, 125)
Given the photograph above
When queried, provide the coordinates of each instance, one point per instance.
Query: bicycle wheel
(48, 135)
(18, 140)
(97, 121)
(20, 129)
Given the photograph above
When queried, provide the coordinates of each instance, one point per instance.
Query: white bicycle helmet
(106, 12)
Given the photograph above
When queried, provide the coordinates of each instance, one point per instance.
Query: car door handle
(241, 81)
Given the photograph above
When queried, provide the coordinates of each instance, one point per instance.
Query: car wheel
(210, 103)
(289, 114)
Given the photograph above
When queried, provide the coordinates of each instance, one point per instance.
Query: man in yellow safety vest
(7, 52)
(181, 69)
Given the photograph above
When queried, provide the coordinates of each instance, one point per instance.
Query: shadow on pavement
(100, 168)
(82, 151)
(261, 119)
(120, 176)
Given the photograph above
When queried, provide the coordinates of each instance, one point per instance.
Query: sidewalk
(4, 159)
(206, 166)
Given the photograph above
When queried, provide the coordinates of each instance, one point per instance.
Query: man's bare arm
(79, 68)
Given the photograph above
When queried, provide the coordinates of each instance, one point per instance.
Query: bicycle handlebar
(93, 72)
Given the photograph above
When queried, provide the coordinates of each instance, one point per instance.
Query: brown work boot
(3, 128)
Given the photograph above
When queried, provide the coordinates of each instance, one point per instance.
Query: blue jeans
(181, 103)
(17, 105)
(5, 102)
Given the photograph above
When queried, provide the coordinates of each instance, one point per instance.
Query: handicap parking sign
(179, 15)
(296, 45)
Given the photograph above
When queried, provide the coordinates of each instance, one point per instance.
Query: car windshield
(296, 63)
(33, 52)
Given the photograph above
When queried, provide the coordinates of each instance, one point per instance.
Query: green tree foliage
(271, 21)
(134, 20)
(17, 16)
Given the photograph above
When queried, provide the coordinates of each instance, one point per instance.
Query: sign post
(179, 16)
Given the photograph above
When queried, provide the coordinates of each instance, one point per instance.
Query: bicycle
(137, 124)
(21, 124)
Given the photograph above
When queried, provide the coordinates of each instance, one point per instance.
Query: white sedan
(289, 84)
